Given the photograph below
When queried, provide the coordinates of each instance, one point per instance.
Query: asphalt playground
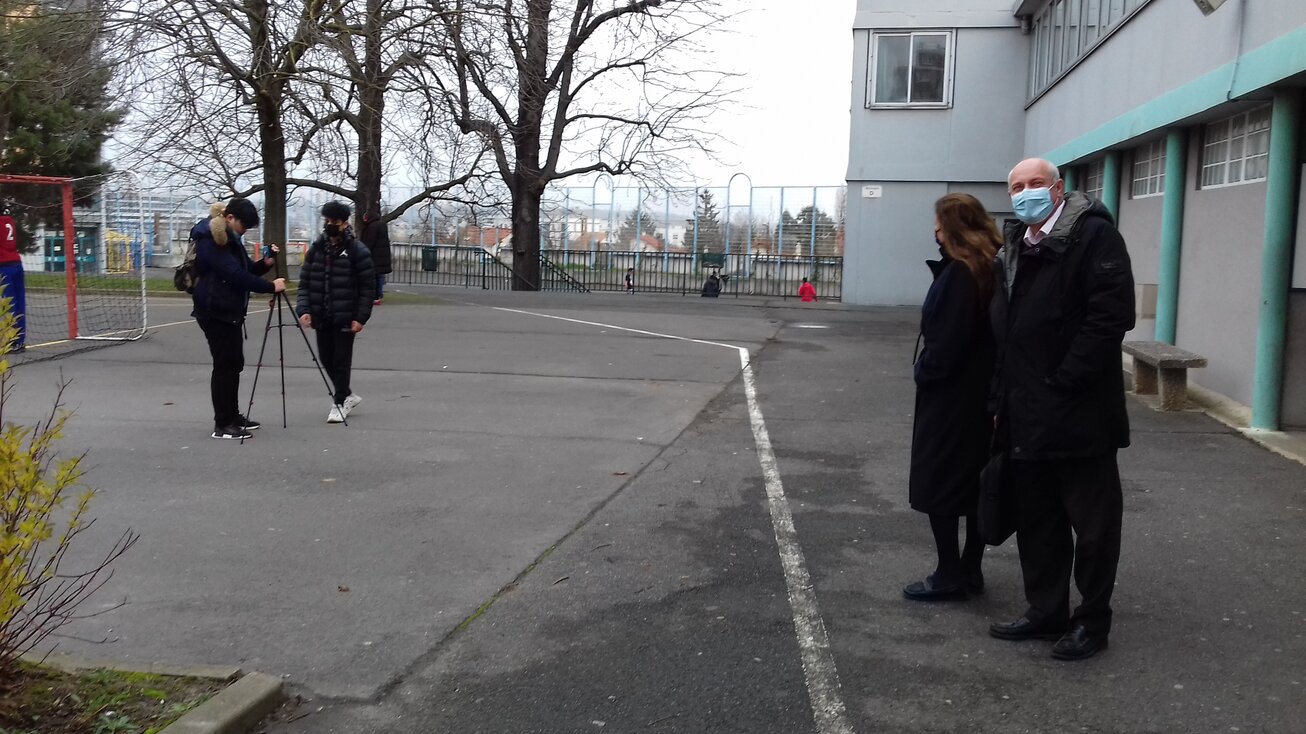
(583, 513)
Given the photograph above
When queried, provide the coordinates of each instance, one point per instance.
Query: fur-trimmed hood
(218, 224)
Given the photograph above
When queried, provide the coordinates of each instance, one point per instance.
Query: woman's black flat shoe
(928, 590)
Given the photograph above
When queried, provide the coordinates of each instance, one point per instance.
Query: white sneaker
(352, 402)
(336, 415)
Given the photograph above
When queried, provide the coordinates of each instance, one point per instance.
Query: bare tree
(599, 86)
(219, 60)
(368, 77)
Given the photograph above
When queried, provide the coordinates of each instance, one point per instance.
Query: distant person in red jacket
(807, 292)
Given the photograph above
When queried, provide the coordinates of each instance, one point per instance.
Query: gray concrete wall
(1140, 225)
(918, 155)
(1164, 46)
(933, 13)
(894, 236)
(979, 139)
(1294, 384)
(1220, 283)
(889, 240)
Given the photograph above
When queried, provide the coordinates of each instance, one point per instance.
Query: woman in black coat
(226, 278)
(953, 429)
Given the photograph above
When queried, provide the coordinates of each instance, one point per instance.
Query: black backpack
(186, 275)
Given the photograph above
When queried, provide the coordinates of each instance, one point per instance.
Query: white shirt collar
(1033, 236)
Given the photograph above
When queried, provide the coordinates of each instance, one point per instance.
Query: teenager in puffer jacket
(337, 284)
(226, 278)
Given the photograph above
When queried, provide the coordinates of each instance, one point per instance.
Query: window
(911, 69)
(1236, 150)
(1066, 31)
(1149, 170)
(1095, 178)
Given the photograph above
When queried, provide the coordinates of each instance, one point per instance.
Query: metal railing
(772, 276)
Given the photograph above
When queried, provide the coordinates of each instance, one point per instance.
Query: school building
(1184, 116)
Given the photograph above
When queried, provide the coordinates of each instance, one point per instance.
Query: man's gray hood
(1078, 205)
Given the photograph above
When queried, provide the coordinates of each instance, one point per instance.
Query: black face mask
(938, 241)
(332, 230)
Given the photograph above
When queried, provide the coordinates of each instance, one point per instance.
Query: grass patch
(40, 700)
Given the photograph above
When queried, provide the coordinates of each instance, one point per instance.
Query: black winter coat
(336, 283)
(376, 236)
(952, 432)
(1060, 314)
(226, 274)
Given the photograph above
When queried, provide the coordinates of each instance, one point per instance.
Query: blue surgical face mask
(1032, 205)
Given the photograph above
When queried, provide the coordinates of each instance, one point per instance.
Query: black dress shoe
(1023, 629)
(1078, 644)
(931, 590)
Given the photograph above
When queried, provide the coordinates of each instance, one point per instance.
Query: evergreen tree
(708, 219)
(821, 237)
(55, 111)
(636, 223)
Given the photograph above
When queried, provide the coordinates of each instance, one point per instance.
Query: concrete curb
(73, 664)
(235, 710)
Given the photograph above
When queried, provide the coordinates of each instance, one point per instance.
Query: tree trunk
(526, 239)
(271, 134)
(272, 145)
(371, 97)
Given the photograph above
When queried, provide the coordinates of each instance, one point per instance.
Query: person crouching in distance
(337, 286)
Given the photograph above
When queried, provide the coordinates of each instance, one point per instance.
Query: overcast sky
(791, 127)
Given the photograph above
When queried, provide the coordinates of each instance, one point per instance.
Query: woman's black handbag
(997, 500)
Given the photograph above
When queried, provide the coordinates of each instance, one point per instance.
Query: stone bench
(1172, 364)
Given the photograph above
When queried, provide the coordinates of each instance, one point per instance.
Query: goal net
(85, 250)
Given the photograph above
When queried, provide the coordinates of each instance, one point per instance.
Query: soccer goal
(85, 269)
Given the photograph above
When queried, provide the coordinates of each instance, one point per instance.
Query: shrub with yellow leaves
(45, 507)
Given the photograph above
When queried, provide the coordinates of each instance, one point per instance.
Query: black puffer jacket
(337, 283)
(1060, 312)
(226, 274)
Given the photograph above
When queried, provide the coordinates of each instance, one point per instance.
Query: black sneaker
(246, 423)
(231, 433)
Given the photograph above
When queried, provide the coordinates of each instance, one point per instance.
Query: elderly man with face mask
(1065, 300)
(337, 284)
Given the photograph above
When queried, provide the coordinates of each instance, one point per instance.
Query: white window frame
(1095, 178)
(949, 63)
(1230, 169)
(1151, 182)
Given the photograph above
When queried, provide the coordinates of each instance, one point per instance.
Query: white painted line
(618, 328)
(819, 669)
(148, 328)
(813, 642)
(810, 326)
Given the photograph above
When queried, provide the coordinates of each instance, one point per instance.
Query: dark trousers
(336, 350)
(14, 288)
(1070, 515)
(226, 345)
(380, 286)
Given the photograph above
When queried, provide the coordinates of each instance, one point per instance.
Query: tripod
(283, 301)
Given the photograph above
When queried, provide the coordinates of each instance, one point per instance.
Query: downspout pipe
(1283, 178)
(1172, 236)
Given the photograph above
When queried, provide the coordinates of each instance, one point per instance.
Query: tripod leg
(313, 355)
(249, 409)
(281, 354)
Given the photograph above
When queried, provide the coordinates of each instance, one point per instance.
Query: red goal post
(70, 265)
